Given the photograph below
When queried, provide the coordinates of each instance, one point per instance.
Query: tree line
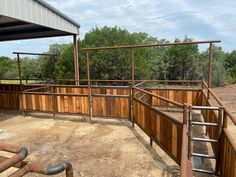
(180, 62)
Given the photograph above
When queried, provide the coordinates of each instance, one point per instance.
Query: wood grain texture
(166, 133)
(227, 164)
(181, 96)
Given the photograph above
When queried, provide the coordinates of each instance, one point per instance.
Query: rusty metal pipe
(22, 154)
(37, 168)
(160, 97)
(21, 172)
(18, 165)
(151, 45)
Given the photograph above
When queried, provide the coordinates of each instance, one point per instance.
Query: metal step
(204, 140)
(203, 155)
(204, 124)
(206, 108)
(203, 171)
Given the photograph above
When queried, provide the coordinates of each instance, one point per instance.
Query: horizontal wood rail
(177, 122)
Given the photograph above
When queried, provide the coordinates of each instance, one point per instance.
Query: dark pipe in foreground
(53, 170)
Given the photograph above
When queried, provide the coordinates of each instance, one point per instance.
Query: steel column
(90, 101)
(209, 69)
(19, 69)
(132, 85)
(76, 60)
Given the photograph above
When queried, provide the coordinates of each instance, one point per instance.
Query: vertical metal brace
(21, 88)
(149, 100)
(132, 86)
(209, 70)
(220, 116)
(76, 59)
(189, 132)
(90, 106)
(53, 101)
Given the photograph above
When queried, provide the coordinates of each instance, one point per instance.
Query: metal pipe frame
(160, 97)
(30, 53)
(151, 45)
(40, 169)
(25, 167)
(76, 59)
(90, 99)
(21, 154)
(210, 68)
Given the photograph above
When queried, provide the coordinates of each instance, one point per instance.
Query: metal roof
(58, 12)
(25, 19)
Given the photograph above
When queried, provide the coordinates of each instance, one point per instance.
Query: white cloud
(212, 19)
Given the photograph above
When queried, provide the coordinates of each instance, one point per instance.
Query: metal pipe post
(19, 69)
(209, 69)
(90, 89)
(76, 60)
(132, 85)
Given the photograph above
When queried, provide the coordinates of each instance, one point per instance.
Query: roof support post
(209, 69)
(76, 59)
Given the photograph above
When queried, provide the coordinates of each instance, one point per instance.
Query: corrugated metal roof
(24, 19)
(58, 12)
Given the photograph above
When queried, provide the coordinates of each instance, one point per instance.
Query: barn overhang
(27, 19)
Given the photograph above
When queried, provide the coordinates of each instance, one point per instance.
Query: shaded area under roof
(27, 19)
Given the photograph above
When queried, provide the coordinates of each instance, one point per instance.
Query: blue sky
(198, 19)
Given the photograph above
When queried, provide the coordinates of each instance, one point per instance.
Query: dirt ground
(105, 148)
(228, 95)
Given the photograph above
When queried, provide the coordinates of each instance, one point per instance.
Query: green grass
(16, 81)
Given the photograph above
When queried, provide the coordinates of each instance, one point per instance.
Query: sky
(198, 19)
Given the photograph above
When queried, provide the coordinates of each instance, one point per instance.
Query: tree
(180, 61)
(6, 64)
(64, 67)
(219, 74)
(230, 64)
(49, 62)
(115, 64)
(31, 68)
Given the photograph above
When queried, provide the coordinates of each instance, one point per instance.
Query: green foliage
(49, 62)
(173, 62)
(65, 64)
(31, 68)
(219, 74)
(115, 64)
(180, 61)
(5, 65)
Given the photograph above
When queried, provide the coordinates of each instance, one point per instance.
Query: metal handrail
(160, 97)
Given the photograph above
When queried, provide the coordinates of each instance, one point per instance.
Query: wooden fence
(115, 101)
(227, 155)
(227, 166)
(188, 96)
(160, 127)
(107, 101)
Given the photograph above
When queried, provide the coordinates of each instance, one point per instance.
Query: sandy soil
(228, 95)
(106, 148)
